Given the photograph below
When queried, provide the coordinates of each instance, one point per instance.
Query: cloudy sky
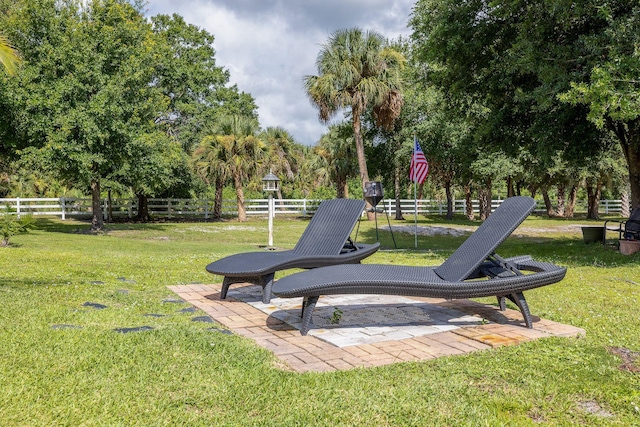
(268, 46)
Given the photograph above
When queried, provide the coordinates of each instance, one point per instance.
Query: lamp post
(271, 184)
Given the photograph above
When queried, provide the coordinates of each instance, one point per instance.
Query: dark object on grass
(205, 319)
(222, 331)
(188, 310)
(94, 305)
(592, 234)
(173, 301)
(324, 242)
(460, 276)
(65, 326)
(136, 329)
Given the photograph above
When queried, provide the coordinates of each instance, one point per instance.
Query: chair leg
(518, 299)
(225, 287)
(267, 284)
(308, 305)
(502, 303)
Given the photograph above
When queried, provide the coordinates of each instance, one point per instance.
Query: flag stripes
(419, 165)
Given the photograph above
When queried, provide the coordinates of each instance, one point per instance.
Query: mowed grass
(62, 363)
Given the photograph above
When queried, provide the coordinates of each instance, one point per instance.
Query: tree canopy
(551, 75)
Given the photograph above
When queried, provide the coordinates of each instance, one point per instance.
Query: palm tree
(242, 152)
(210, 164)
(8, 55)
(335, 158)
(284, 155)
(358, 70)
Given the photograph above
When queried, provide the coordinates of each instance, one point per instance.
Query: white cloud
(268, 46)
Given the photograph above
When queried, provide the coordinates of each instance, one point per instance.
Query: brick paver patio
(370, 332)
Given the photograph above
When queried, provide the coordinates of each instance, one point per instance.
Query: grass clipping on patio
(64, 294)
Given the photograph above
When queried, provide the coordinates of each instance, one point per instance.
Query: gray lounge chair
(324, 242)
(473, 270)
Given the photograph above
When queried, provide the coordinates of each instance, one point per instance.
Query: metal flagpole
(415, 198)
(415, 214)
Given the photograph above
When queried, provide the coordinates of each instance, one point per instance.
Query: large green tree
(523, 60)
(358, 70)
(187, 75)
(85, 93)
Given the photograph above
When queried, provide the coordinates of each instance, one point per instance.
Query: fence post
(63, 208)
(206, 209)
(169, 209)
(18, 206)
(304, 207)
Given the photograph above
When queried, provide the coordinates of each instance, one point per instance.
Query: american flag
(419, 166)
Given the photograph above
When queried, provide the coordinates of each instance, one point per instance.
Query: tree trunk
(447, 189)
(561, 190)
(242, 213)
(468, 202)
(510, 189)
(109, 207)
(97, 221)
(484, 196)
(547, 202)
(341, 187)
(362, 161)
(143, 208)
(624, 199)
(633, 160)
(571, 203)
(217, 199)
(593, 200)
(483, 203)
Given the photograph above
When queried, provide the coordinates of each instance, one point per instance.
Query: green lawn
(181, 373)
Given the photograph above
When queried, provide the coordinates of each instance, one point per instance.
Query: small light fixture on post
(271, 184)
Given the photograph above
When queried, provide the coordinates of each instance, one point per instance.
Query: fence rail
(202, 208)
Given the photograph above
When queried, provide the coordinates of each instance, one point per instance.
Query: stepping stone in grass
(205, 319)
(154, 315)
(124, 279)
(222, 331)
(97, 282)
(94, 305)
(136, 329)
(188, 310)
(122, 291)
(173, 301)
(63, 326)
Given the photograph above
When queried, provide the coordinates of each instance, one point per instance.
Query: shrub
(11, 224)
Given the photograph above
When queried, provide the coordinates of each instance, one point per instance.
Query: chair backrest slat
(485, 240)
(330, 227)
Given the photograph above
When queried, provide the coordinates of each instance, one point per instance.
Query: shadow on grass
(76, 226)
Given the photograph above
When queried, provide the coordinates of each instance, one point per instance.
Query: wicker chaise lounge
(473, 270)
(324, 242)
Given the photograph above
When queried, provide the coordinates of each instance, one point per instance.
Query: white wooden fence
(202, 208)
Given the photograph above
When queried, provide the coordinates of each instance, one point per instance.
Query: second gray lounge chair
(473, 270)
(324, 242)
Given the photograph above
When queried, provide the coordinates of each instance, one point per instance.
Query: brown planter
(629, 247)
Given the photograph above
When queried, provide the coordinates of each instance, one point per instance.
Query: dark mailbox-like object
(373, 192)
